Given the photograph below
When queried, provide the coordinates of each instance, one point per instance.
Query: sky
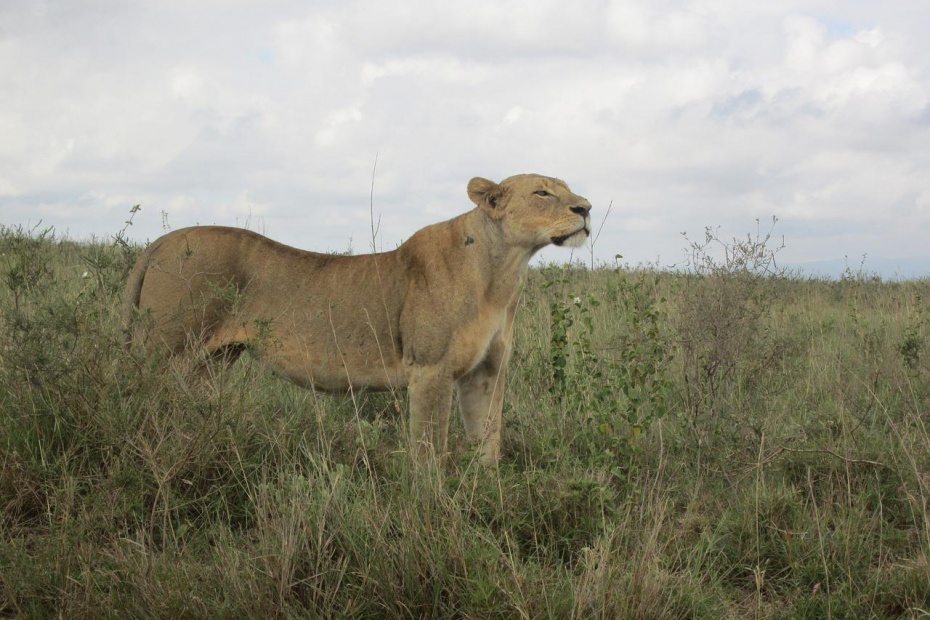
(316, 121)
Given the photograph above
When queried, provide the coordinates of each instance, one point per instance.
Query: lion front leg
(430, 392)
(481, 395)
(481, 400)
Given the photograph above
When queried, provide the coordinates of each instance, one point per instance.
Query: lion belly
(337, 372)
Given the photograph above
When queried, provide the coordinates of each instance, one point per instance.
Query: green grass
(721, 445)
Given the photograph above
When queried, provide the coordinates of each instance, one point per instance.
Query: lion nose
(582, 210)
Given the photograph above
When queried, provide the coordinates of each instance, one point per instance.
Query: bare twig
(371, 209)
(593, 239)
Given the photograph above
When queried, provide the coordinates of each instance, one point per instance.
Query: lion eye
(542, 192)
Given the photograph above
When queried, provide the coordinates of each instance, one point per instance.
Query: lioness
(437, 312)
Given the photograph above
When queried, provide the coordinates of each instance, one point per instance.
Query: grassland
(726, 444)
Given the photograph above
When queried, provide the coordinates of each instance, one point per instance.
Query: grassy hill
(725, 444)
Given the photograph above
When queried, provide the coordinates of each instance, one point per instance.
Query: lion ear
(484, 193)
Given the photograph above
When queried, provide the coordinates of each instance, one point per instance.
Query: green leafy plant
(618, 382)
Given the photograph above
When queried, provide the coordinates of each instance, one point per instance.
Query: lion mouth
(561, 239)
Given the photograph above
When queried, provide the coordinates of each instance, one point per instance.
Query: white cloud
(660, 27)
(683, 113)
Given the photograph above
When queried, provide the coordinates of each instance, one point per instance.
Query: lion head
(534, 210)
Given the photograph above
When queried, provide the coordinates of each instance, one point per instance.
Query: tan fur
(434, 314)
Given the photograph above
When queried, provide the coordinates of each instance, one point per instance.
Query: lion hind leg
(220, 350)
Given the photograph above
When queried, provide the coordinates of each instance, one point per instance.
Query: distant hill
(887, 268)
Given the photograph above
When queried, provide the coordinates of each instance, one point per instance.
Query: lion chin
(434, 316)
(573, 240)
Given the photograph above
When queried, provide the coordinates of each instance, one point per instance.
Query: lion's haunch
(433, 315)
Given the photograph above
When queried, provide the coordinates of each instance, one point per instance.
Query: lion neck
(484, 246)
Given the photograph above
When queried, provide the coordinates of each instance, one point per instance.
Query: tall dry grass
(714, 445)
